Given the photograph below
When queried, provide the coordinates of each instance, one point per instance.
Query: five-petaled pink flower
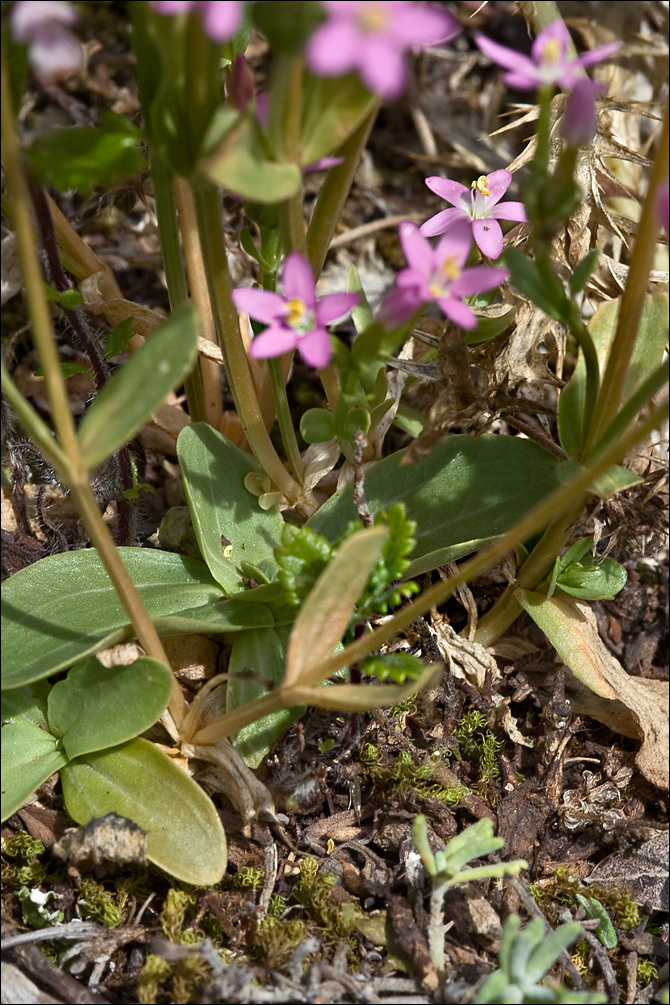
(548, 62)
(54, 52)
(297, 319)
(220, 18)
(372, 36)
(437, 275)
(480, 205)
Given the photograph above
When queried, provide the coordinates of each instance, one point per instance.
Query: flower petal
(458, 312)
(221, 18)
(273, 341)
(598, 55)
(262, 305)
(334, 306)
(510, 211)
(298, 280)
(451, 191)
(554, 32)
(418, 251)
(332, 49)
(488, 237)
(382, 67)
(478, 280)
(524, 80)
(416, 25)
(441, 222)
(455, 244)
(399, 306)
(500, 54)
(315, 348)
(499, 182)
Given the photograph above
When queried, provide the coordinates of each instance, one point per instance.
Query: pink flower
(580, 119)
(548, 62)
(437, 274)
(54, 53)
(220, 18)
(477, 205)
(372, 36)
(296, 320)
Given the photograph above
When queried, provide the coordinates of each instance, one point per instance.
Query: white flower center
(445, 276)
(480, 193)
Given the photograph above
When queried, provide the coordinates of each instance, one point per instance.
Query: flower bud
(580, 120)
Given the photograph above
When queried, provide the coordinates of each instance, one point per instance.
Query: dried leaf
(630, 705)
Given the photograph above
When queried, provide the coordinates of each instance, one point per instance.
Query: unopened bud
(580, 120)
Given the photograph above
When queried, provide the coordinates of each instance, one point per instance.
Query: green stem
(284, 419)
(166, 215)
(284, 131)
(633, 407)
(632, 302)
(583, 338)
(72, 472)
(333, 193)
(208, 210)
(560, 506)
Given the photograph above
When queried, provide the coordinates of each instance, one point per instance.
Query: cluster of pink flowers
(54, 52)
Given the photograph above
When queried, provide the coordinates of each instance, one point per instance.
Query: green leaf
(488, 328)
(327, 610)
(333, 108)
(64, 607)
(138, 781)
(261, 653)
(583, 271)
(463, 495)
(593, 579)
(67, 369)
(118, 339)
(127, 401)
(30, 754)
(549, 948)
(605, 930)
(239, 163)
(397, 666)
(86, 157)
(235, 536)
(96, 707)
(301, 558)
(317, 425)
(361, 314)
(647, 354)
(526, 277)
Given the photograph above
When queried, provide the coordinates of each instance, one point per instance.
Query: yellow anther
(450, 268)
(296, 310)
(551, 51)
(482, 185)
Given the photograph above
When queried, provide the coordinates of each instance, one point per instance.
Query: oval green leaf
(462, 496)
(138, 781)
(127, 401)
(235, 536)
(65, 607)
(97, 707)
(30, 754)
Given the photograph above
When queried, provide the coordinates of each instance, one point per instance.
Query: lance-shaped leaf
(138, 781)
(628, 705)
(127, 401)
(97, 707)
(355, 698)
(30, 754)
(329, 606)
(64, 608)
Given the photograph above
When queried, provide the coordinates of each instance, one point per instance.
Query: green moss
(173, 915)
(246, 878)
(405, 776)
(155, 972)
(646, 972)
(478, 745)
(28, 871)
(279, 939)
(103, 905)
(564, 888)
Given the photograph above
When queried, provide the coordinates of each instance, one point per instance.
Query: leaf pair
(84, 726)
